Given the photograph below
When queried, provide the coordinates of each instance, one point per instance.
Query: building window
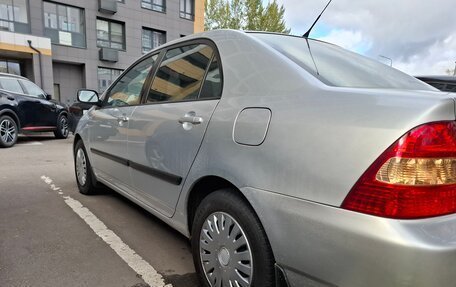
(156, 5)
(64, 24)
(10, 67)
(151, 39)
(105, 77)
(14, 16)
(110, 34)
(187, 9)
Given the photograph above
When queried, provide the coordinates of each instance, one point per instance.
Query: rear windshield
(338, 67)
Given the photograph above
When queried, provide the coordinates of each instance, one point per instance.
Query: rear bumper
(327, 246)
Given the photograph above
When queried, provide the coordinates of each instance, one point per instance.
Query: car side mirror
(88, 97)
(48, 97)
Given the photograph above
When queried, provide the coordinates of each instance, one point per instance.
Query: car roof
(220, 33)
(6, 75)
(442, 78)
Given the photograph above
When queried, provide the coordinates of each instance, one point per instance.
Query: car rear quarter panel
(320, 139)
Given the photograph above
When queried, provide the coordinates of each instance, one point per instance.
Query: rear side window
(212, 87)
(11, 85)
(32, 89)
(181, 74)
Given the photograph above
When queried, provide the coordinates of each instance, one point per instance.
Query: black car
(443, 83)
(24, 107)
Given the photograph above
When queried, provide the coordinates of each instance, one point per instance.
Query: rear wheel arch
(202, 188)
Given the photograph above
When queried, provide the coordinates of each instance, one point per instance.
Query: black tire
(8, 131)
(62, 127)
(227, 202)
(89, 185)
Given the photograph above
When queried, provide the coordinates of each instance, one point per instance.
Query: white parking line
(134, 260)
(29, 143)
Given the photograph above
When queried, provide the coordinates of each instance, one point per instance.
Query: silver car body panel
(319, 141)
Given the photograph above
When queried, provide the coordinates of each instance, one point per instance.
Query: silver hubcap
(225, 252)
(64, 126)
(81, 167)
(8, 131)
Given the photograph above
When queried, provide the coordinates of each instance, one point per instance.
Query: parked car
(287, 161)
(443, 83)
(24, 107)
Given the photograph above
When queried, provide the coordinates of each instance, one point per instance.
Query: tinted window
(32, 89)
(440, 86)
(11, 85)
(451, 87)
(127, 91)
(212, 87)
(181, 74)
(338, 67)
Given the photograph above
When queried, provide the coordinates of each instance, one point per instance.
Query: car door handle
(10, 98)
(123, 119)
(191, 120)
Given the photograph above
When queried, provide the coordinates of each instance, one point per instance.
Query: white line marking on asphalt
(30, 143)
(134, 260)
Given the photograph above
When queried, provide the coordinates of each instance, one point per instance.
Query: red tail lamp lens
(414, 178)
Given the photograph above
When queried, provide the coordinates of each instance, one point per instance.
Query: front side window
(105, 77)
(14, 16)
(11, 85)
(187, 9)
(127, 90)
(151, 39)
(156, 5)
(181, 74)
(64, 24)
(32, 90)
(110, 34)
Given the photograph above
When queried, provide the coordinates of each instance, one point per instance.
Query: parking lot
(46, 240)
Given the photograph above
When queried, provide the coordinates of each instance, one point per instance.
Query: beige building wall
(199, 16)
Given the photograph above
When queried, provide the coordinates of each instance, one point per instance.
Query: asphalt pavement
(45, 242)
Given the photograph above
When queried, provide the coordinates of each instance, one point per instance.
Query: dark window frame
(183, 11)
(28, 23)
(152, 30)
(163, 10)
(83, 22)
(124, 36)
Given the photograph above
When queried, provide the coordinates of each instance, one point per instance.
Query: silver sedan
(287, 161)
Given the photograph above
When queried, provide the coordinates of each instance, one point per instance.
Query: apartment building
(66, 45)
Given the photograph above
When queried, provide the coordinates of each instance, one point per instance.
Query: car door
(46, 113)
(27, 107)
(166, 132)
(109, 132)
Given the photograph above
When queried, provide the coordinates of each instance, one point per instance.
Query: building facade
(66, 45)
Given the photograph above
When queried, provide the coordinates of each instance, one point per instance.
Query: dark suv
(27, 108)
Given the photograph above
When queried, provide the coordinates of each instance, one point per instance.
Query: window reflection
(181, 74)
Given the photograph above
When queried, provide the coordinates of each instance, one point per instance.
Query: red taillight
(414, 178)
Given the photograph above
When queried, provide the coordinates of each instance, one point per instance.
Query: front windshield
(338, 67)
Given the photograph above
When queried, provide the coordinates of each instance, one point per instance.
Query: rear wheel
(229, 245)
(8, 131)
(83, 170)
(62, 127)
